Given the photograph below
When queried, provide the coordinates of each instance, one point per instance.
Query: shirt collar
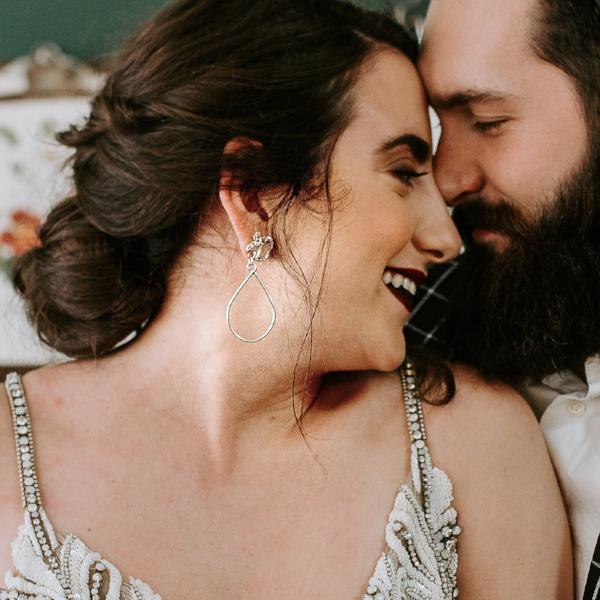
(541, 394)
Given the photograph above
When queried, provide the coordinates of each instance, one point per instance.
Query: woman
(249, 440)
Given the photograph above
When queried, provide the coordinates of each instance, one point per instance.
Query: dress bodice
(419, 562)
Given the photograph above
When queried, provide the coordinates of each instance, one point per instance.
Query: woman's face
(389, 222)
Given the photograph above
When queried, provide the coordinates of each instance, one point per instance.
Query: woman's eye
(407, 176)
(489, 126)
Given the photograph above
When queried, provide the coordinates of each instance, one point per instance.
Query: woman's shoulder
(46, 413)
(484, 432)
(490, 444)
(483, 406)
(33, 381)
(54, 415)
(471, 385)
(11, 509)
(10, 495)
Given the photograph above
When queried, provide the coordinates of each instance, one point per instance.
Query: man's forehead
(476, 35)
(480, 45)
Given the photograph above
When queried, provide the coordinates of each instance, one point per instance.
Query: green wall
(84, 28)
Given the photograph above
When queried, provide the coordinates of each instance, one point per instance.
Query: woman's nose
(436, 236)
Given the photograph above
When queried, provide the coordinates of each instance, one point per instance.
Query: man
(516, 85)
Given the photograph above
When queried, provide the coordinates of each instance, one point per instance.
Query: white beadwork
(420, 562)
(421, 559)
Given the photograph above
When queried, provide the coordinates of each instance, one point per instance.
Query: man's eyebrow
(418, 147)
(467, 97)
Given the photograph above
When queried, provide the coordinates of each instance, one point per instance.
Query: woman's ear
(244, 211)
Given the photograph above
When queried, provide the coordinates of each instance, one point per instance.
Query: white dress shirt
(569, 413)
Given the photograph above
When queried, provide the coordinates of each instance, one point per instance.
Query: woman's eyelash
(407, 175)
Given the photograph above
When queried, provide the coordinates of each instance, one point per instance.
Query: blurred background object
(53, 56)
(47, 71)
(31, 180)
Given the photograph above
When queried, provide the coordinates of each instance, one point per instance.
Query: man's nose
(456, 170)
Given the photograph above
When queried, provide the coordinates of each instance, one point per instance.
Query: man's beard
(533, 308)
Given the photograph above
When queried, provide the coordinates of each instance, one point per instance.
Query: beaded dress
(419, 562)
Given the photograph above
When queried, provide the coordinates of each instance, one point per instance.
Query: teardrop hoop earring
(259, 250)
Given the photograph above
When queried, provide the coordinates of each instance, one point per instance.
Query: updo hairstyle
(147, 162)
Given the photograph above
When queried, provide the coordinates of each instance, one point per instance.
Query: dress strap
(417, 432)
(413, 406)
(30, 490)
(38, 527)
(433, 488)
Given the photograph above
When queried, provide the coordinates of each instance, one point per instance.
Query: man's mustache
(498, 216)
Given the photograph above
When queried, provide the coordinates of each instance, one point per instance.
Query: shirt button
(576, 407)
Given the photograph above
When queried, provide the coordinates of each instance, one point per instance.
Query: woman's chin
(391, 365)
(385, 355)
(389, 356)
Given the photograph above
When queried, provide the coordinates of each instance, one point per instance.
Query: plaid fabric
(428, 326)
(592, 587)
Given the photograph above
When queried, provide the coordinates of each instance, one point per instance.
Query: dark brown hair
(567, 36)
(147, 161)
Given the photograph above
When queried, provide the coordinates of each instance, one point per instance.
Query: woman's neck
(221, 393)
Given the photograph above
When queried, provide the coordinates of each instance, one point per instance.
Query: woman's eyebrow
(418, 147)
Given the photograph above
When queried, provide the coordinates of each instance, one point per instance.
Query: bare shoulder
(475, 392)
(515, 540)
(11, 510)
(483, 415)
(484, 432)
(9, 491)
(49, 409)
(477, 398)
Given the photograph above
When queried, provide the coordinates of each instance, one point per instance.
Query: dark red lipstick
(417, 276)
(407, 299)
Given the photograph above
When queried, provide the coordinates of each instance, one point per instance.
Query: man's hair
(568, 36)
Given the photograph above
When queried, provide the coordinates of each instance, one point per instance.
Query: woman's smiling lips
(404, 283)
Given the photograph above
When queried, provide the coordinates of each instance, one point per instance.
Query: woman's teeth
(399, 281)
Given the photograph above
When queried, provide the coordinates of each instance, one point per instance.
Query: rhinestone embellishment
(422, 557)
